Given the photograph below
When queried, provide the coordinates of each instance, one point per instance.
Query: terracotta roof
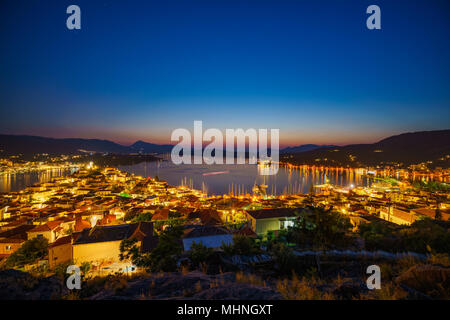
(204, 231)
(49, 225)
(184, 210)
(18, 232)
(16, 223)
(65, 240)
(162, 214)
(41, 228)
(149, 243)
(406, 216)
(432, 212)
(246, 232)
(80, 225)
(107, 219)
(207, 216)
(273, 213)
(11, 240)
(115, 233)
(141, 230)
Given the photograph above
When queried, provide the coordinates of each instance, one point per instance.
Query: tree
(320, 228)
(144, 217)
(242, 245)
(164, 256)
(199, 253)
(284, 258)
(29, 252)
(60, 269)
(85, 268)
(418, 237)
(377, 235)
(130, 251)
(174, 215)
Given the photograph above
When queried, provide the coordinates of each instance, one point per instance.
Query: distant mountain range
(14, 144)
(304, 148)
(407, 148)
(145, 147)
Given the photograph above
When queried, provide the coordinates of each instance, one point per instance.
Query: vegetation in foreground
(204, 273)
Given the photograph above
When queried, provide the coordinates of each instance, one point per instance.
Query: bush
(200, 254)
(61, 270)
(164, 256)
(144, 217)
(250, 279)
(31, 251)
(320, 228)
(419, 237)
(303, 289)
(242, 245)
(284, 258)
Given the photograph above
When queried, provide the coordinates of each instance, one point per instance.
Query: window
(8, 248)
(288, 223)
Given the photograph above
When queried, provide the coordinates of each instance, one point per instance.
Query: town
(110, 221)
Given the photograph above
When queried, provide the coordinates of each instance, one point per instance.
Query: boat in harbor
(259, 189)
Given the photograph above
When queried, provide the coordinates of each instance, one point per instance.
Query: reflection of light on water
(268, 170)
(241, 178)
(13, 182)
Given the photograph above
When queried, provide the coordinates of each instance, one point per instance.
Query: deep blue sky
(139, 69)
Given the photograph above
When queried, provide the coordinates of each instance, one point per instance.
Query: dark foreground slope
(424, 281)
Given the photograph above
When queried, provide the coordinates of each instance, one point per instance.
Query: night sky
(140, 69)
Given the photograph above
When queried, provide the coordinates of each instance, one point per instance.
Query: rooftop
(273, 213)
(115, 233)
(204, 231)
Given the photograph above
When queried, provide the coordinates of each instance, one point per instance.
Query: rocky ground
(418, 282)
(193, 285)
(18, 285)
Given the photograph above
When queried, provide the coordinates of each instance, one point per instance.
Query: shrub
(250, 279)
(164, 256)
(29, 252)
(242, 245)
(61, 270)
(200, 254)
(303, 289)
(144, 217)
(320, 228)
(284, 258)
